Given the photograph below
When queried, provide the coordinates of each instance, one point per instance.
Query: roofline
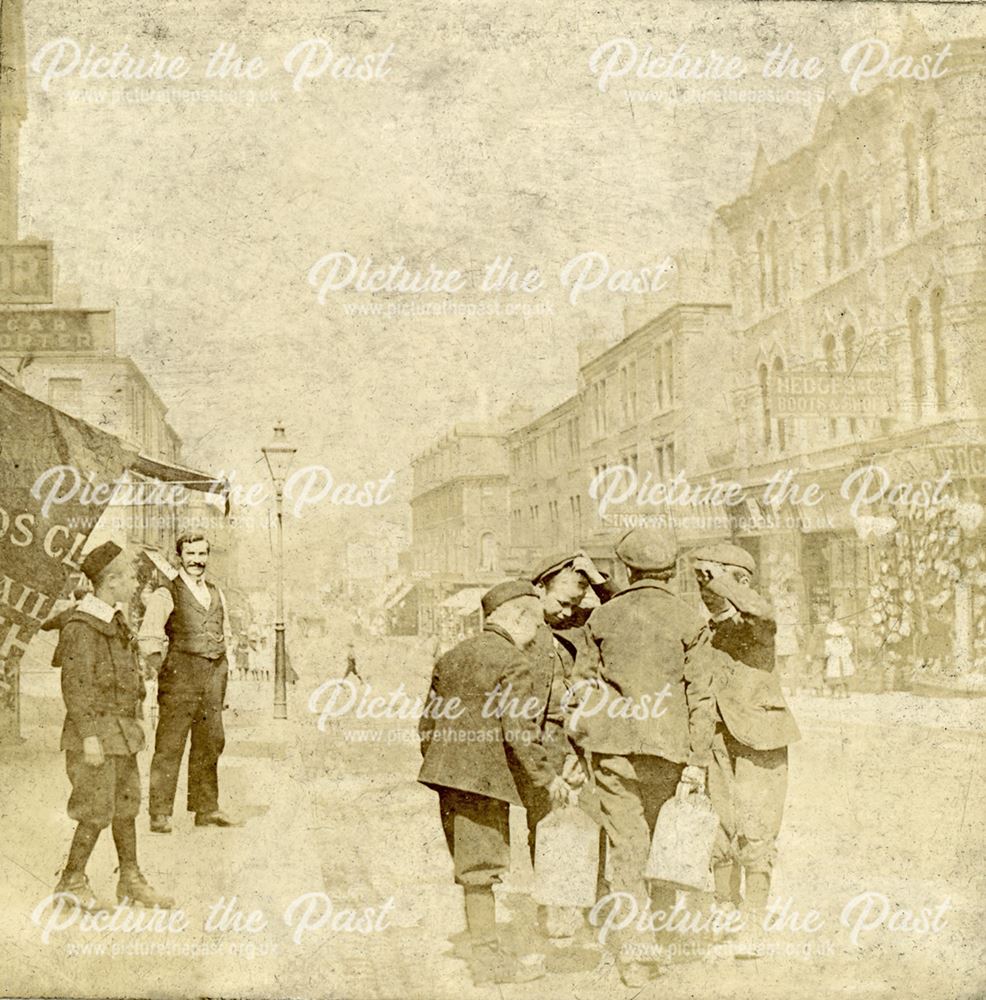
(677, 307)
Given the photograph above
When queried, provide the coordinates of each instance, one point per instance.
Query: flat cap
(648, 549)
(99, 559)
(552, 565)
(726, 554)
(509, 590)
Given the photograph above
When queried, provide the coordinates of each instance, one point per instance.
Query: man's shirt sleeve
(152, 638)
(228, 638)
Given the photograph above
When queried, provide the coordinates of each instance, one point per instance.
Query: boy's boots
(76, 884)
(134, 889)
(490, 964)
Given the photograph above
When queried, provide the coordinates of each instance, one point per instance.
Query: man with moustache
(189, 617)
(465, 762)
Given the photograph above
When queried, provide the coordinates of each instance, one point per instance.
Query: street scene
(492, 501)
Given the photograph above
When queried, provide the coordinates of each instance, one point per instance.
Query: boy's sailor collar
(92, 605)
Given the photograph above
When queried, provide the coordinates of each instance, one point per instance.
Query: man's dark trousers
(191, 692)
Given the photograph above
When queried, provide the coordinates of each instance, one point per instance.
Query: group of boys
(721, 725)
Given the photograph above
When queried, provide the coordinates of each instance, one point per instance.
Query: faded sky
(489, 136)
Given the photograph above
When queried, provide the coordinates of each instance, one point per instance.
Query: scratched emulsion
(576, 419)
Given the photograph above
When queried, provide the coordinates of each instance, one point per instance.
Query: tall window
(599, 407)
(632, 375)
(831, 365)
(762, 264)
(628, 392)
(938, 348)
(849, 353)
(669, 369)
(664, 459)
(573, 437)
(912, 193)
(826, 199)
(488, 558)
(781, 424)
(842, 197)
(917, 354)
(764, 377)
(772, 261)
(930, 168)
(664, 375)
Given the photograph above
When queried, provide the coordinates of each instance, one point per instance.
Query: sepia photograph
(492, 500)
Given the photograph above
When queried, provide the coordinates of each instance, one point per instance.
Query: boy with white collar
(103, 691)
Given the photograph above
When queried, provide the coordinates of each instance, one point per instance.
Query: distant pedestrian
(814, 657)
(351, 664)
(839, 665)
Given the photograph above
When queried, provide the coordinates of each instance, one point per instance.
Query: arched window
(831, 365)
(842, 198)
(772, 260)
(929, 140)
(781, 424)
(826, 200)
(488, 557)
(762, 264)
(765, 402)
(911, 194)
(917, 354)
(938, 348)
(849, 354)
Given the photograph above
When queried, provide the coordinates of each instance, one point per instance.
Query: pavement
(885, 810)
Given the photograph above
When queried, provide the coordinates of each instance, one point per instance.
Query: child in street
(839, 665)
(103, 691)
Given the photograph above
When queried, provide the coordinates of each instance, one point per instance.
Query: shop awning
(154, 469)
(399, 596)
(464, 602)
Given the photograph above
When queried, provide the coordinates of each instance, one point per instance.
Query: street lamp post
(278, 455)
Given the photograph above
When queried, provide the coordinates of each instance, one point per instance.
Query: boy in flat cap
(538, 747)
(103, 691)
(748, 781)
(465, 761)
(650, 725)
